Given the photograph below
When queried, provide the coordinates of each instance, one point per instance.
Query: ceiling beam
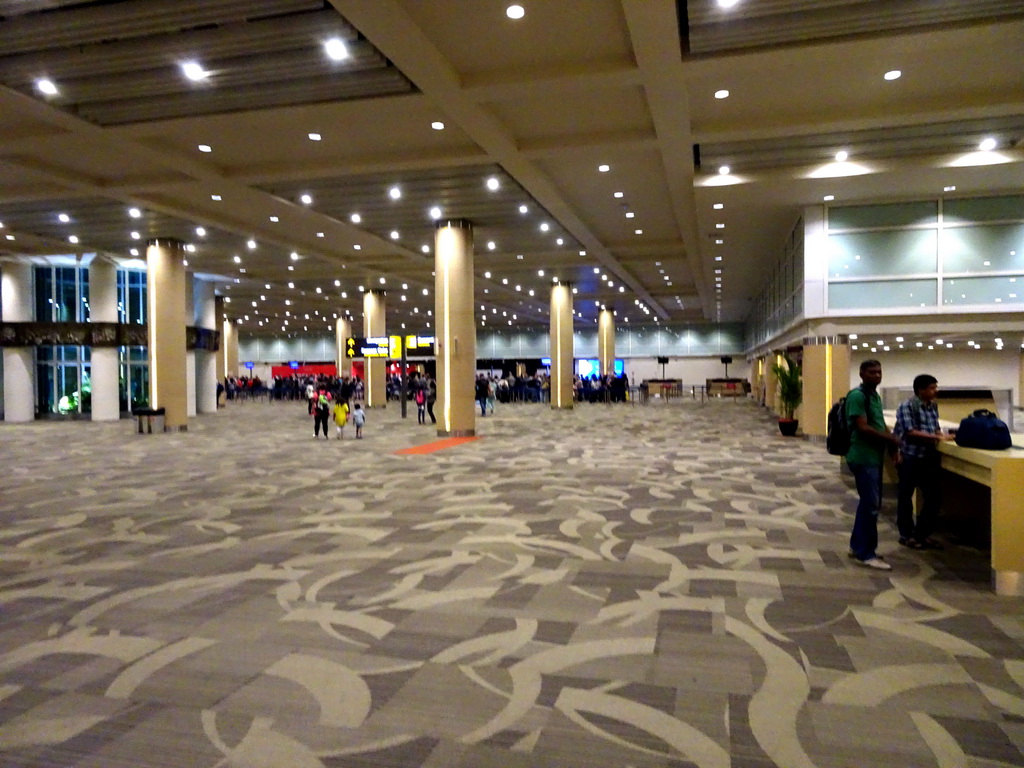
(654, 30)
(391, 30)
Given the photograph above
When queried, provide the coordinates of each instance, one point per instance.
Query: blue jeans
(864, 539)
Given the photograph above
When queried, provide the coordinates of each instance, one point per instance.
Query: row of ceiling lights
(899, 341)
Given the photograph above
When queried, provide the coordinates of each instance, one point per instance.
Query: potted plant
(791, 394)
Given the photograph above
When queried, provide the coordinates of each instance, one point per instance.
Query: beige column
(374, 324)
(455, 328)
(606, 341)
(342, 332)
(229, 346)
(104, 366)
(826, 375)
(19, 362)
(190, 354)
(166, 286)
(1020, 381)
(771, 381)
(561, 345)
(755, 378)
(206, 361)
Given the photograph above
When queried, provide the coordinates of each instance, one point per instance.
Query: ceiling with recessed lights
(654, 153)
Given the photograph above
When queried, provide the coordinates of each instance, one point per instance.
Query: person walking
(917, 427)
(421, 405)
(481, 393)
(491, 394)
(359, 418)
(321, 413)
(869, 440)
(340, 417)
(431, 398)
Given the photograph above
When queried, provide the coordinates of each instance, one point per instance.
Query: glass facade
(133, 382)
(781, 299)
(131, 296)
(967, 254)
(62, 294)
(63, 384)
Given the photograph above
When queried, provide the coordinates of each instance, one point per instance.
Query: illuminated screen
(546, 362)
(590, 367)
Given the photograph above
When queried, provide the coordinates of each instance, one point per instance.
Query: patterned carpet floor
(617, 586)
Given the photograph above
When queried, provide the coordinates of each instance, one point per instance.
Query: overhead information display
(389, 346)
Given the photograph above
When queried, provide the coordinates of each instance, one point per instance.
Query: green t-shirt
(864, 449)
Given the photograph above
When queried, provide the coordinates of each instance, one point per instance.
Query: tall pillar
(375, 368)
(771, 381)
(219, 318)
(455, 325)
(561, 345)
(342, 331)
(19, 362)
(826, 375)
(190, 354)
(206, 360)
(166, 287)
(606, 341)
(104, 366)
(229, 345)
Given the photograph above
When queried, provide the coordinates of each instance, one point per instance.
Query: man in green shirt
(868, 443)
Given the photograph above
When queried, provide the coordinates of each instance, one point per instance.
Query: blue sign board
(250, 366)
(293, 364)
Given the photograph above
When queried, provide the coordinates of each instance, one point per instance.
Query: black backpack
(837, 442)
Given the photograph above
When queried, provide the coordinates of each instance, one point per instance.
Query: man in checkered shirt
(917, 427)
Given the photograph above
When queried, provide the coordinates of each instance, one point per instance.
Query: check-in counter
(1003, 473)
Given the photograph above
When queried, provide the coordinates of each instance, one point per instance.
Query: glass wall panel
(133, 386)
(644, 342)
(889, 215)
(983, 290)
(504, 345)
(983, 209)
(584, 344)
(873, 254)
(534, 344)
(995, 248)
(44, 294)
(704, 342)
(884, 294)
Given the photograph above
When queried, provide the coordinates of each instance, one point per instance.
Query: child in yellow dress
(340, 417)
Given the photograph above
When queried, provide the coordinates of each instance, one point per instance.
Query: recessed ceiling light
(493, 184)
(295, 256)
(135, 252)
(559, 241)
(190, 248)
(134, 213)
(394, 193)
(603, 168)
(47, 87)
(724, 170)
(718, 206)
(515, 12)
(201, 231)
(987, 145)
(274, 219)
(306, 199)
(136, 236)
(435, 212)
(437, 125)
(205, 148)
(394, 234)
(72, 239)
(425, 248)
(842, 156)
(727, 3)
(638, 231)
(950, 188)
(544, 227)
(216, 198)
(336, 49)
(722, 94)
(194, 71)
(314, 137)
(63, 218)
(357, 247)
(319, 234)
(251, 244)
(630, 214)
(523, 209)
(238, 259)
(829, 198)
(893, 74)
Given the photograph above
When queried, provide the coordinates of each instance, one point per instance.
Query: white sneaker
(875, 562)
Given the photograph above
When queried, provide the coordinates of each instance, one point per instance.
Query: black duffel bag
(983, 429)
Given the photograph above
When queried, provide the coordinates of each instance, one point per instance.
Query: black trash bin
(148, 418)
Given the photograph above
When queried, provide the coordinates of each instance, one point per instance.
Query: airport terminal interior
(200, 198)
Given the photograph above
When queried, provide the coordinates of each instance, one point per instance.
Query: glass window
(891, 215)
(44, 294)
(883, 294)
(983, 209)
(995, 248)
(983, 290)
(873, 254)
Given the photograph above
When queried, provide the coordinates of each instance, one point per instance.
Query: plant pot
(788, 427)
